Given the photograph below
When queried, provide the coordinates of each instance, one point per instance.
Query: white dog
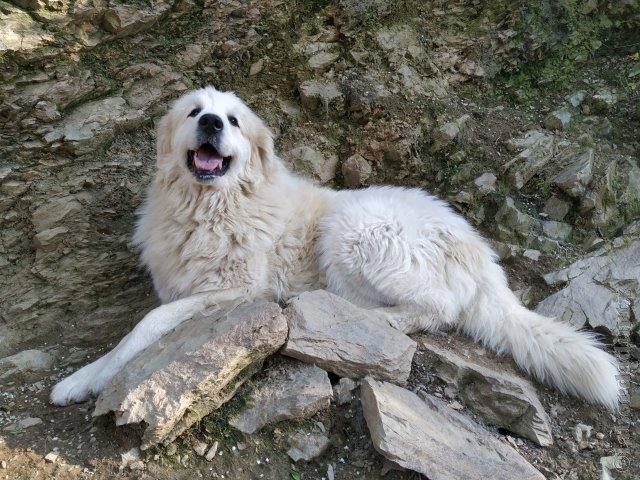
(225, 221)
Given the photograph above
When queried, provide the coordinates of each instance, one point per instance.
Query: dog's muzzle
(206, 163)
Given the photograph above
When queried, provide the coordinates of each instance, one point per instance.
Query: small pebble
(212, 452)
(51, 457)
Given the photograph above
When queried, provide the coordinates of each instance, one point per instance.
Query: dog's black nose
(210, 123)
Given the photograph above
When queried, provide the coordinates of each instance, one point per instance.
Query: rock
(322, 60)
(191, 55)
(122, 20)
(95, 122)
(49, 238)
(577, 173)
(398, 41)
(3, 464)
(129, 458)
(556, 209)
(600, 290)
(256, 67)
(197, 367)
(556, 230)
(557, 120)
(603, 100)
(591, 244)
(350, 341)
(355, 171)
(509, 216)
(51, 457)
(535, 150)
(52, 212)
(321, 95)
(486, 183)
(46, 111)
(342, 391)
(305, 159)
(306, 445)
(25, 361)
(200, 448)
(19, 32)
(531, 254)
(211, 453)
(292, 390)
(505, 251)
(430, 438)
(576, 99)
(582, 432)
(23, 424)
(499, 399)
(330, 473)
(446, 134)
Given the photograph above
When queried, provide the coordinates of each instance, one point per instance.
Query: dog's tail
(554, 352)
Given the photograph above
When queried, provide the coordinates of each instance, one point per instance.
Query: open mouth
(206, 163)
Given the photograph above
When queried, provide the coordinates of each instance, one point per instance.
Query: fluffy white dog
(225, 221)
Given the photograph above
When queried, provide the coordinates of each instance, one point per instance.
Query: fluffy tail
(554, 352)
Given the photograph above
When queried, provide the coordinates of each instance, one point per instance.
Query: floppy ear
(262, 140)
(163, 134)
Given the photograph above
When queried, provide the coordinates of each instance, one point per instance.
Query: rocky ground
(525, 118)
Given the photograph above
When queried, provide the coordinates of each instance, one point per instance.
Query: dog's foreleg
(90, 379)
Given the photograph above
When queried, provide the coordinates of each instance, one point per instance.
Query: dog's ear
(262, 140)
(164, 128)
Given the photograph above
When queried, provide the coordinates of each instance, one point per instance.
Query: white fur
(261, 232)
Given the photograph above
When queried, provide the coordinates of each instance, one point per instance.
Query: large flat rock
(328, 331)
(499, 398)
(600, 290)
(292, 390)
(430, 438)
(192, 370)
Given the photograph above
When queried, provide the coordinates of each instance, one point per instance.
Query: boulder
(500, 399)
(193, 370)
(292, 390)
(535, 149)
(430, 438)
(577, 172)
(600, 290)
(350, 341)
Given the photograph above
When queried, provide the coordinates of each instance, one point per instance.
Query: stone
(46, 111)
(129, 458)
(211, 453)
(427, 436)
(575, 99)
(25, 361)
(321, 95)
(486, 183)
(582, 432)
(200, 448)
(342, 391)
(399, 40)
(531, 254)
(557, 120)
(48, 239)
(197, 367)
(577, 173)
(444, 135)
(307, 160)
(556, 209)
(53, 211)
(600, 290)
(499, 399)
(191, 55)
(256, 67)
(603, 100)
(20, 32)
(509, 216)
(292, 390)
(51, 457)
(356, 170)
(122, 20)
(23, 424)
(322, 60)
(306, 445)
(556, 230)
(505, 251)
(535, 149)
(350, 341)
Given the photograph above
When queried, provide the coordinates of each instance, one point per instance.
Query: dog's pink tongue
(204, 160)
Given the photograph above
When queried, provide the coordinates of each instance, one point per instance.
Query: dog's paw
(75, 388)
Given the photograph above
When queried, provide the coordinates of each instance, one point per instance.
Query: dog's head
(212, 138)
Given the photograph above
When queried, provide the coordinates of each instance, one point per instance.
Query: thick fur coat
(225, 221)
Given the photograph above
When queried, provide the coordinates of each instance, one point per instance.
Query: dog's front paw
(76, 388)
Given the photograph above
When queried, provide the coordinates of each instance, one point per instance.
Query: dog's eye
(233, 121)
(194, 112)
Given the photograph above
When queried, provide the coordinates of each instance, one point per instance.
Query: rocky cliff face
(523, 116)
